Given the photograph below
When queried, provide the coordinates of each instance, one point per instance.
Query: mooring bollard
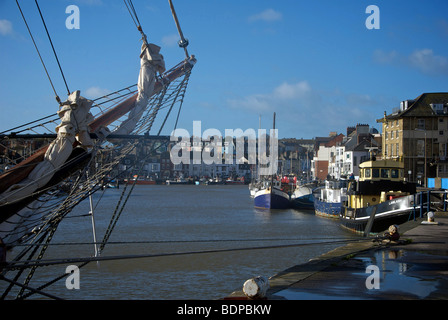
(256, 288)
(430, 218)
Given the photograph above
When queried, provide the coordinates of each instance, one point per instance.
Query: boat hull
(275, 199)
(395, 211)
(303, 198)
(304, 202)
(327, 209)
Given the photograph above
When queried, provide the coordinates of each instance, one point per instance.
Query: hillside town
(415, 132)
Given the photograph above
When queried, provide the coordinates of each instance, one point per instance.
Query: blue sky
(314, 63)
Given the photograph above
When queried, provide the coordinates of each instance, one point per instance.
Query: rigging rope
(133, 13)
(49, 262)
(193, 241)
(54, 51)
(38, 52)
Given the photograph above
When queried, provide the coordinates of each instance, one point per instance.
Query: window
(396, 134)
(385, 173)
(420, 148)
(421, 124)
(367, 173)
(398, 149)
(394, 173)
(387, 136)
(438, 108)
(441, 132)
(391, 134)
(375, 173)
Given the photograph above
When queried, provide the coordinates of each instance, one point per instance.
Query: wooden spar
(21, 170)
(183, 43)
(113, 114)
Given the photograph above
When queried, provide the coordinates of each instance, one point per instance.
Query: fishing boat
(85, 152)
(272, 196)
(272, 193)
(328, 199)
(254, 186)
(380, 198)
(303, 197)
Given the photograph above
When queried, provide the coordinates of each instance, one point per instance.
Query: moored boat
(140, 181)
(328, 200)
(254, 186)
(303, 198)
(380, 198)
(178, 181)
(271, 196)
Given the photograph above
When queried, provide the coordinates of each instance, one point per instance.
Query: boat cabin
(379, 181)
(375, 170)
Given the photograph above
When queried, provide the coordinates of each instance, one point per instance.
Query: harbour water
(161, 219)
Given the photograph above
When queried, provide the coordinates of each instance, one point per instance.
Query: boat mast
(270, 151)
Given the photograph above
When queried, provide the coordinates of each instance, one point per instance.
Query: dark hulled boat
(380, 198)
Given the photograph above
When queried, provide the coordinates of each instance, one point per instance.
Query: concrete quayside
(415, 267)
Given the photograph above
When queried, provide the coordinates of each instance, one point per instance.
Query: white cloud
(284, 93)
(291, 91)
(424, 60)
(428, 63)
(268, 15)
(383, 57)
(307, 111)
(5, 27)
(170, 40)
(95, 92)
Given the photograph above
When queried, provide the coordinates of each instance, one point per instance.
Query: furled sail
(151, 62)
(75, 116)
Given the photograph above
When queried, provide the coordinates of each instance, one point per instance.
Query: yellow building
(417, 132)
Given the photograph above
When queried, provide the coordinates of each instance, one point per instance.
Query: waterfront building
(325, 148)
(340, 157)
(417, 133)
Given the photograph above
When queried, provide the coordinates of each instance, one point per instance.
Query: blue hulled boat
(271, 196)
(329, 202)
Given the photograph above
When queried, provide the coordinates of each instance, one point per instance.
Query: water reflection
(399, 278)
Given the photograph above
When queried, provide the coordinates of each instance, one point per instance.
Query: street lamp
(424, 130)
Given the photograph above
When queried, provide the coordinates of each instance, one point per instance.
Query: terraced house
(417, 133)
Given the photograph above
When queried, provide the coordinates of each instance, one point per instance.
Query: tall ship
(380, 198)
(328, 199)
(79, 148)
